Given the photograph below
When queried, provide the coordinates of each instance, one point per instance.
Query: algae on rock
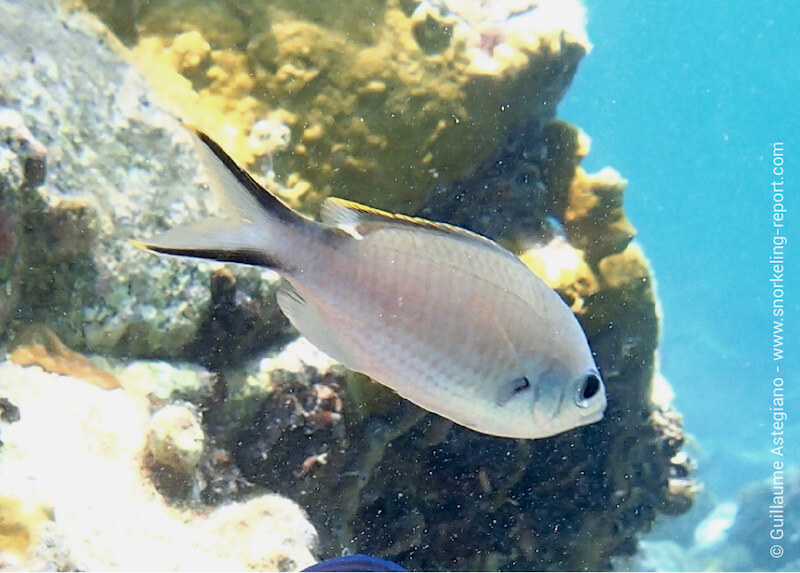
(117, 167)
(383, 99)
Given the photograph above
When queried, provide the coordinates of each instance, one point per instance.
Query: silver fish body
(448, 319)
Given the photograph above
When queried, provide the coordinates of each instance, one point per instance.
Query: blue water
(685, 99)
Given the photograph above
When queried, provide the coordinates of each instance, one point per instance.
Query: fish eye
(588, 388)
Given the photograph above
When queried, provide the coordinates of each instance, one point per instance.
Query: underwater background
(689, 98)
(209, 436)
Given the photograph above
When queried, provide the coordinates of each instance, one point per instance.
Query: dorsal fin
(362, 219)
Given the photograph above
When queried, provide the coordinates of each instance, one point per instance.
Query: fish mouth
(597, 414)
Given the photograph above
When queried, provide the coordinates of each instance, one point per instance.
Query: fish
(355, 562)
(446, 318)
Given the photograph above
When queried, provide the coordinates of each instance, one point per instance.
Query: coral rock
(268, 533)
(20, 530)
(563, 268)
(16, 136)
(75, 496)
(22, 168)
(407, 93)
(594, 219)
(176, 439)
(118, 167)
(37, 345)
(164, 381)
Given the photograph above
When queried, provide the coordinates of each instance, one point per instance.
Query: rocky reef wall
(89, 160)
(447, 112)
(376, 98)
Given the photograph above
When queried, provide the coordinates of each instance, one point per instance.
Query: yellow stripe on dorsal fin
(362, 219)
(335, 211)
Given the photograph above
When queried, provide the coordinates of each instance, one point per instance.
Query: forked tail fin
(257, 225)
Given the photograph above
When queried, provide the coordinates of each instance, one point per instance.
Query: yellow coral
(594, 219)
(37, 345)
(205, 87)
(564, 269)
(627, 269)
(385, 111)
(20, 525)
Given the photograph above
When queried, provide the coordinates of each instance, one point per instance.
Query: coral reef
(380, 100)
(266, 533)
(532, 188)
(117, 166)
(732, 535)
(757, 519)
(175, 446)
(444, 109)
(76, 497)
(297, 428)
(22, 167)
(162, 382)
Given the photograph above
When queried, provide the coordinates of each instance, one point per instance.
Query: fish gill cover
(444, 111)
